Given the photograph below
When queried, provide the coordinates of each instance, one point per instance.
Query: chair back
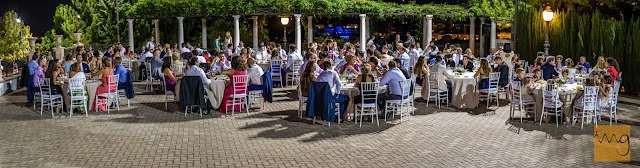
(572, 73)
(177, 68)
(550, 94)
(296, 69)
(299, 90)
(148, 67)
(126, 62)
(406, 88)
(76, 86)
(275, 66)
(369, 91)
(45, 86)
(433, 79)
(494, 77)
(516, 91)
(590, 97)
(614, 95)
(239, 84)
(164, 84)
(112, 84)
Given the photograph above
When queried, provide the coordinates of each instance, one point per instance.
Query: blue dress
(484, 83)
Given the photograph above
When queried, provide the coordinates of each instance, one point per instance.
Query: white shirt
(332, 78)
(122, 50)
(254, 75)
(145, 56)
(441, 73)
(413, 57)
(217, 67)
(293, 57)
(370, 42)
(238, 49)
(405, 59)
(456, 58)
(150, 45)
(184, 50)
(201, 59)
(197, 71)
(260, 55)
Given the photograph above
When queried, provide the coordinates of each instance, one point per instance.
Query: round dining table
(567, 93)
(90, 87)
(351, 91)
(464, 89)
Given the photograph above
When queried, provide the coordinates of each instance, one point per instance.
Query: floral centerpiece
(350, 78)
(459, 70)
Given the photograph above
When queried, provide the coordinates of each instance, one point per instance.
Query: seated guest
(404, 71)
(364, 76)
(393, 77)
(538, 63)
(483, 73)
(68, 61)
(566, 77)
(307, 77)
(569, 63)
(195, 70)
(262, 53)
(441, 72)
(537, 75)
(170, 77)
(54, 72)
(146, 54)
(583, 65)
(156, 65)
(549, 68)
(559, 65)
(83, 64)
(528, 89)
(105, 72)
(331, 77)
(350, 67)
(421, 70)
(121, 72)
(76, 72)
(38, 73)
(179, 68)
(376, 68)
(237, 68)
(519, 76)
(466, 64)
(310, 57)
(221, 63)
(504, 71)
(254, 75)
(433, 61)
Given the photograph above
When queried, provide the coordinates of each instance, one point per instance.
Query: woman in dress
(54, 73)
(421, 70)
(350, 67)
(228, 39)
(68, 61)
(237, 68)
(483, 73)
(76, 72)
(307, 77)
(104, 73)
(365, 76)
(612, 69)
(470, 54)
(170, 77)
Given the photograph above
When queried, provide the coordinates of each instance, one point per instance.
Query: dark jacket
(128, 89)
(24, 78)
(320, 101)
(504, 74)
(192, 92)
(468, 67)
(548, 71)
(267, 86)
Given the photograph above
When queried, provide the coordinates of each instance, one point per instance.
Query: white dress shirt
(293, 57)
(442, 72)
(260, 55)
(150, 45)
(238, 49)
(413, 57)
(201, 59)
(332, 78)
(197, 71)
(217, 67)
(456, 58)
(254, 75)
(393, 78)
(145, 56)
(184, 50)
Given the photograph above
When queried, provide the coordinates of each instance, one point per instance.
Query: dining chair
(295, 74)
(491, 92)
(302, 101)
(413, 94)
(586, 108)
(612, 105)
(439, 95)
(551, 104)
(239, 95)
(391, 106)
(517, 102)
(47, 98)
(77, 96)
(368, 93)
(168, 95)
(110, 96)
(276, 74)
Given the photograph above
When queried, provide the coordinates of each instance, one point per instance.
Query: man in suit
(441, 72)
(468, 65)
(549, 68)
(504, 71)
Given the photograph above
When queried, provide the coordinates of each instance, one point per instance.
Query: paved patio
(144, 135)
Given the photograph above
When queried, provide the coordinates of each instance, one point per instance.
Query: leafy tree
(14, 37)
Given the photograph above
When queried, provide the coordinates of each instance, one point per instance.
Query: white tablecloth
(91, 87)
(265, 66)
(567, 94)
(215, 92)
(351, 91)
(464, 90)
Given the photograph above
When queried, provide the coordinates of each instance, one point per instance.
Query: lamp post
(547, 15)
(285, 21)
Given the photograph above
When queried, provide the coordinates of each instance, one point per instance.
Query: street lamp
(547, 15)
(285, 21)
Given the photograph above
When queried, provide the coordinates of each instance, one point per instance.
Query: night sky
(36, 13)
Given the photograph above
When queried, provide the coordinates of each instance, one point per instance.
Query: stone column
(236, 30)
(429, 29)
(59, 50)
(482, 37)
(204, 33)
(255, 32)
(131, 44)
(180, 31)
(492, 39)
(157, 30)
(310, 29)
(363, 32)
(472, 34)
(298, 33)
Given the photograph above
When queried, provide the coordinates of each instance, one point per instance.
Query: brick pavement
(144, 135)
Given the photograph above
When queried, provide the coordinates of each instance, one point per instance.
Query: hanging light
(18, 20)
(284, 20)
(547, 14)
